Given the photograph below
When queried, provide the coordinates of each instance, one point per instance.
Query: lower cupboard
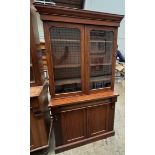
(82, 123)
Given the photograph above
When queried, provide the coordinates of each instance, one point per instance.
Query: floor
(111, 146)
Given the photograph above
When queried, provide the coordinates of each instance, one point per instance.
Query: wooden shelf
(100, 78)
(78, 65)
(78, 80)
(94, 55)
(65, 40)
(100, 41)
(67, 81)
(101, 64)
(67, 66)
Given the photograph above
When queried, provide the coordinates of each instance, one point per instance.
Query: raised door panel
(74, 125)
(97, 119)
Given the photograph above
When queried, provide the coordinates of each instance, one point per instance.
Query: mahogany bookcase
(80, 48)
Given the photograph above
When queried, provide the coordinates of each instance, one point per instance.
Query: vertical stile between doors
(82, 58)
(87, 72)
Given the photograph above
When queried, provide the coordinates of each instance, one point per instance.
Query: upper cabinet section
(81, 48)
(80, 58)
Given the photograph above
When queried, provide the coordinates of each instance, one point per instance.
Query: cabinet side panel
(111, 116)
(57, 128)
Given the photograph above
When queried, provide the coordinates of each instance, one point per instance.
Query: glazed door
(100, 50)
(66, 64)
(97, 119)
(73, 125)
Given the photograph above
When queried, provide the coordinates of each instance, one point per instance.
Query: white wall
(110, 6)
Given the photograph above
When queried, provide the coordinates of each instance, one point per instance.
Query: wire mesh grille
(101, 46)
(66, 59)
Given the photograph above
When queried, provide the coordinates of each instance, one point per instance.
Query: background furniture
(40, 121)
(39, 118)
(36, 67)
(81, 48)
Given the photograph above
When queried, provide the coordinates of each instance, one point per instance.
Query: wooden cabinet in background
(81, 53)
(39, 118)
(39, 112)
(36, 64)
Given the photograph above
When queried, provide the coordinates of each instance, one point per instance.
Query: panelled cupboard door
(100, 48)
(73, 125)
(97, 119)
(65, 48)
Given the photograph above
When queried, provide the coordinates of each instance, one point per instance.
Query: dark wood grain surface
(40, 121)
(81, 123)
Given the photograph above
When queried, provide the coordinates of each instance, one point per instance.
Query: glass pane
(101, 46)
(66, 59)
